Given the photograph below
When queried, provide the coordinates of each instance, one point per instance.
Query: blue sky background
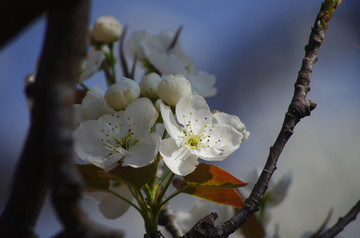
(255, 50)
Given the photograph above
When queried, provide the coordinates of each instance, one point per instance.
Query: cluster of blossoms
(164, 118)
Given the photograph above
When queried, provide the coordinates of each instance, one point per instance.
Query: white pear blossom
(106, 29)
(91, 65)
(93, 106)
(120, 138)
(154, 51)
(119, 95)
(195, 133)
(172, 88)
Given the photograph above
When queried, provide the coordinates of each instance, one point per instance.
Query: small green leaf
(208, 175)
(135, 177)
(90, 174)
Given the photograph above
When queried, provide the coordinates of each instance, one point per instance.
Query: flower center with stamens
(195, 141)
(113, 142)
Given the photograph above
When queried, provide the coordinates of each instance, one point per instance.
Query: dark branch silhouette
(17, 15)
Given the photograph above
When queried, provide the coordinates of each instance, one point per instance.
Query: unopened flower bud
(149, 84)
(172, 88)
(118, 96)
(106, 30)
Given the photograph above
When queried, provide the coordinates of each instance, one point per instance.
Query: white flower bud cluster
(123, 126)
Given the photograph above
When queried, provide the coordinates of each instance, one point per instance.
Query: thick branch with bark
(16, 15)
(299, 108)
(47, 156)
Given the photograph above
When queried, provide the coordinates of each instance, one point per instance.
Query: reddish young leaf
(227, 196)
(208, 175)
(90, 174)
(135, 177)
(214, 184)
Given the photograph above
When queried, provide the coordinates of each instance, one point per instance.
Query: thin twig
(110, 80)
(299, 108)
(123, 61)
(133, 68)
(323, 225)
(175, 39)
(342, 222)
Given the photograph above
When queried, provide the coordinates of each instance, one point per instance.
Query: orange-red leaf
(227, 196)
(208, 175)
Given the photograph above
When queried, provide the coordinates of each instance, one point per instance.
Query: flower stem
(86, 88)
(124, 199)
(166, 187)
(173, 195)
(164, 177)
(112, 61)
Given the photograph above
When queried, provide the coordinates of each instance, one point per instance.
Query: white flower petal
(193, 110)
(234, 121)
(203, 83)
(172, 128)
(91, 65)
(142, 115)
(144, 152)
(113, 207)
(222, 142)
(178, 159)
(89, 147)
(93, 105)
(134, 44)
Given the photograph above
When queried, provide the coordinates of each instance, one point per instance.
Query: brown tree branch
(65, 47)
(123, 61)
(47, 156)
(342, 222)
(16, 15)
(299, 108)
